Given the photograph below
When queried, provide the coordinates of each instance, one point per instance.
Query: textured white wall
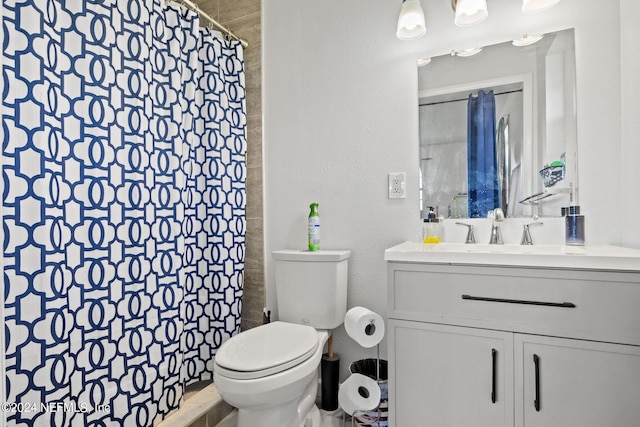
(340, 112)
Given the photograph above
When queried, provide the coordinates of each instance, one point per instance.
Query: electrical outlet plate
(397, 185)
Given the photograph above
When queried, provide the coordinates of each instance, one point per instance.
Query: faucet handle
(471, 239)
(526, 234)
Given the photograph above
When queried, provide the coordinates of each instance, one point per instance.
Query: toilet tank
(311, 287)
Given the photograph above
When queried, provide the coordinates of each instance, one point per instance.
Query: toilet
(270, 373)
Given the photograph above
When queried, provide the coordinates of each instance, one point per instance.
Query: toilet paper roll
(364, 326)
(358, 393)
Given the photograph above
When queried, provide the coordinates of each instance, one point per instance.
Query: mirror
(498, 129)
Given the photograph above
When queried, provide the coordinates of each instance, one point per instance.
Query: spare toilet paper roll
(358, 393)
(364, 326)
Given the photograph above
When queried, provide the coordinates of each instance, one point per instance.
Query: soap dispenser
(431, 228)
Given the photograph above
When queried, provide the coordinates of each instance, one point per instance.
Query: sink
(508, 249)
(592, 257)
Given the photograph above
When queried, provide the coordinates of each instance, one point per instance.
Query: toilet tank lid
(322, 255)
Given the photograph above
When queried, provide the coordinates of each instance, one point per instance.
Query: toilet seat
(266, 350)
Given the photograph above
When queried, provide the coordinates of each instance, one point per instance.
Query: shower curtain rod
(193, 6)
(465, 99)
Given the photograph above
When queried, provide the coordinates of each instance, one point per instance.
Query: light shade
(529, 6)
(465, 53)
(411, 21)
(527, 40)
(470, 12)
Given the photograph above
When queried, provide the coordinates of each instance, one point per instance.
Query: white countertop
(591, 257)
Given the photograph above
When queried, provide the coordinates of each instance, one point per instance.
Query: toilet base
(285, 416)
(296, 413)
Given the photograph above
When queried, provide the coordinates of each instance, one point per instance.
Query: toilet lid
(266, 350)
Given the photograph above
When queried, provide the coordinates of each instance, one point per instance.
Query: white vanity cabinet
(492, 345)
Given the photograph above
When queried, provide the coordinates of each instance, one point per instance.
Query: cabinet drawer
(594, 305)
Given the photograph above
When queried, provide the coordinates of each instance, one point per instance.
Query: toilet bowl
(270, 373)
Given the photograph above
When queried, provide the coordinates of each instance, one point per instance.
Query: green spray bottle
(314, 228)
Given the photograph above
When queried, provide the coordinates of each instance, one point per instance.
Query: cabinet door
(576, 383)
(449, 376)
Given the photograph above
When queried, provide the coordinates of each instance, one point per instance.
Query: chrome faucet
(471, 239)
(496, 215)
(526, 234)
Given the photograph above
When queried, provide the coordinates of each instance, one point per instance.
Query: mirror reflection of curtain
(483, 184)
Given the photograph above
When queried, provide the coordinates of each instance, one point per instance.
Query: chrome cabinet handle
(519, 301)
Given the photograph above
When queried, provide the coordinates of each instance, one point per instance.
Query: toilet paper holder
(370, 329)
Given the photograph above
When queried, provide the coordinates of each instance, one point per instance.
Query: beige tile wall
(243, 17)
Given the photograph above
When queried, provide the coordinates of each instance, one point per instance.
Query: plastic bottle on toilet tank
(314, 228)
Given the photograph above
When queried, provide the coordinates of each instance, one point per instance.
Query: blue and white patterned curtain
(123, 208)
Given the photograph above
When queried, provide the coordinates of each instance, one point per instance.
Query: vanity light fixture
(469, 12)
(411, 24)
(411, 21)
(527, 40)
(529, 6)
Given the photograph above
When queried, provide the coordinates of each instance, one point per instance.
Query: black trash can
(378, 417)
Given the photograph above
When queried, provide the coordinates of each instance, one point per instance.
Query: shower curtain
(123, 208)
(484, 188)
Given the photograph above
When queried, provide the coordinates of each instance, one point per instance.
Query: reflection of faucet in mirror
(496, 216)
